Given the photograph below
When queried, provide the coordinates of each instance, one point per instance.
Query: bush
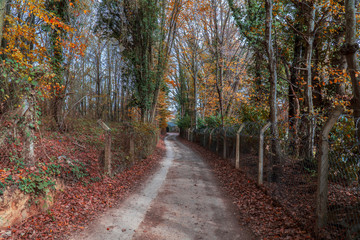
(184, 122)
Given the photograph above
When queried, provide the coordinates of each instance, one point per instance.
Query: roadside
(85, 191)
(257, 210)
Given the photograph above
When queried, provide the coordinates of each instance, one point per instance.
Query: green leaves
(35, 183)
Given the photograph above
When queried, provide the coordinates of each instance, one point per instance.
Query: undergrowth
(72, 156)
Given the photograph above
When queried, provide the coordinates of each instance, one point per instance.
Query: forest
(231, 74)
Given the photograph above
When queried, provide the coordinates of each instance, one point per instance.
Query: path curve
(180, 201)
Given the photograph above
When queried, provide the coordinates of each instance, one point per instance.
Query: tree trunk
(273, 88)
(218, 59)
(294, 105)
(2, 18)
(195, 73)
(309, 86)
(349, 50)
(323, 171)
(98, 112)
(29, 130)
(109, 103)
(59, 8)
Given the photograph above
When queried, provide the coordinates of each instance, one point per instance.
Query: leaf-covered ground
(264, 216)
(87, 193)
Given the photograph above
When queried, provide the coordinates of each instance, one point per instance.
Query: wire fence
(291, 159)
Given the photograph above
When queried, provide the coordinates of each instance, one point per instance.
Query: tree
(350, 49)
(145, 29)
(2, 18)
(273, 82)
(57, 34)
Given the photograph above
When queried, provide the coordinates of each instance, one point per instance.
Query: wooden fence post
(210, 138)
(205, 137)
(132, 146)
(261, 154)
(107, 157)
(224, 145)
(237, 158)
(188, 134)
(217, 143)
(323, 170)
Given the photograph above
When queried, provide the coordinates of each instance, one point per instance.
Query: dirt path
(180, 201)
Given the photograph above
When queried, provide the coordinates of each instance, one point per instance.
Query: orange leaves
(27, 48)
(171, 82)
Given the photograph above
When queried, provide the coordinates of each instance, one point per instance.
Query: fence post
(261, 154)
(237, 160)
(224, 145)
(205, 137)
(107, 157)
(217, 143)
(188, 134)
(210, 138)
(132, 146)
(323, 170)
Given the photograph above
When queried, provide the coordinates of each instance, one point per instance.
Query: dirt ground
(180, 201)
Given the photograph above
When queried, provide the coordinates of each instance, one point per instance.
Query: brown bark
(29, 130)
(2, 18)
(98, 80)
(309, 85)
(350, 49)
(294, 105)
(219, 62)
(273, 86)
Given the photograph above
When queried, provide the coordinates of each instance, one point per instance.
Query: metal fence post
(237, 160)
(261, 154)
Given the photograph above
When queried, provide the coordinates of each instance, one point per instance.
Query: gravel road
(180, 201)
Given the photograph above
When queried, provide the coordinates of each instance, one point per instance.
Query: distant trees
(145, 30)
(209, 63)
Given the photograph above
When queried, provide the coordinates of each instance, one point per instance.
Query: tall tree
(56, 35)
(350, 49)
(272, 80)
(2, 17)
